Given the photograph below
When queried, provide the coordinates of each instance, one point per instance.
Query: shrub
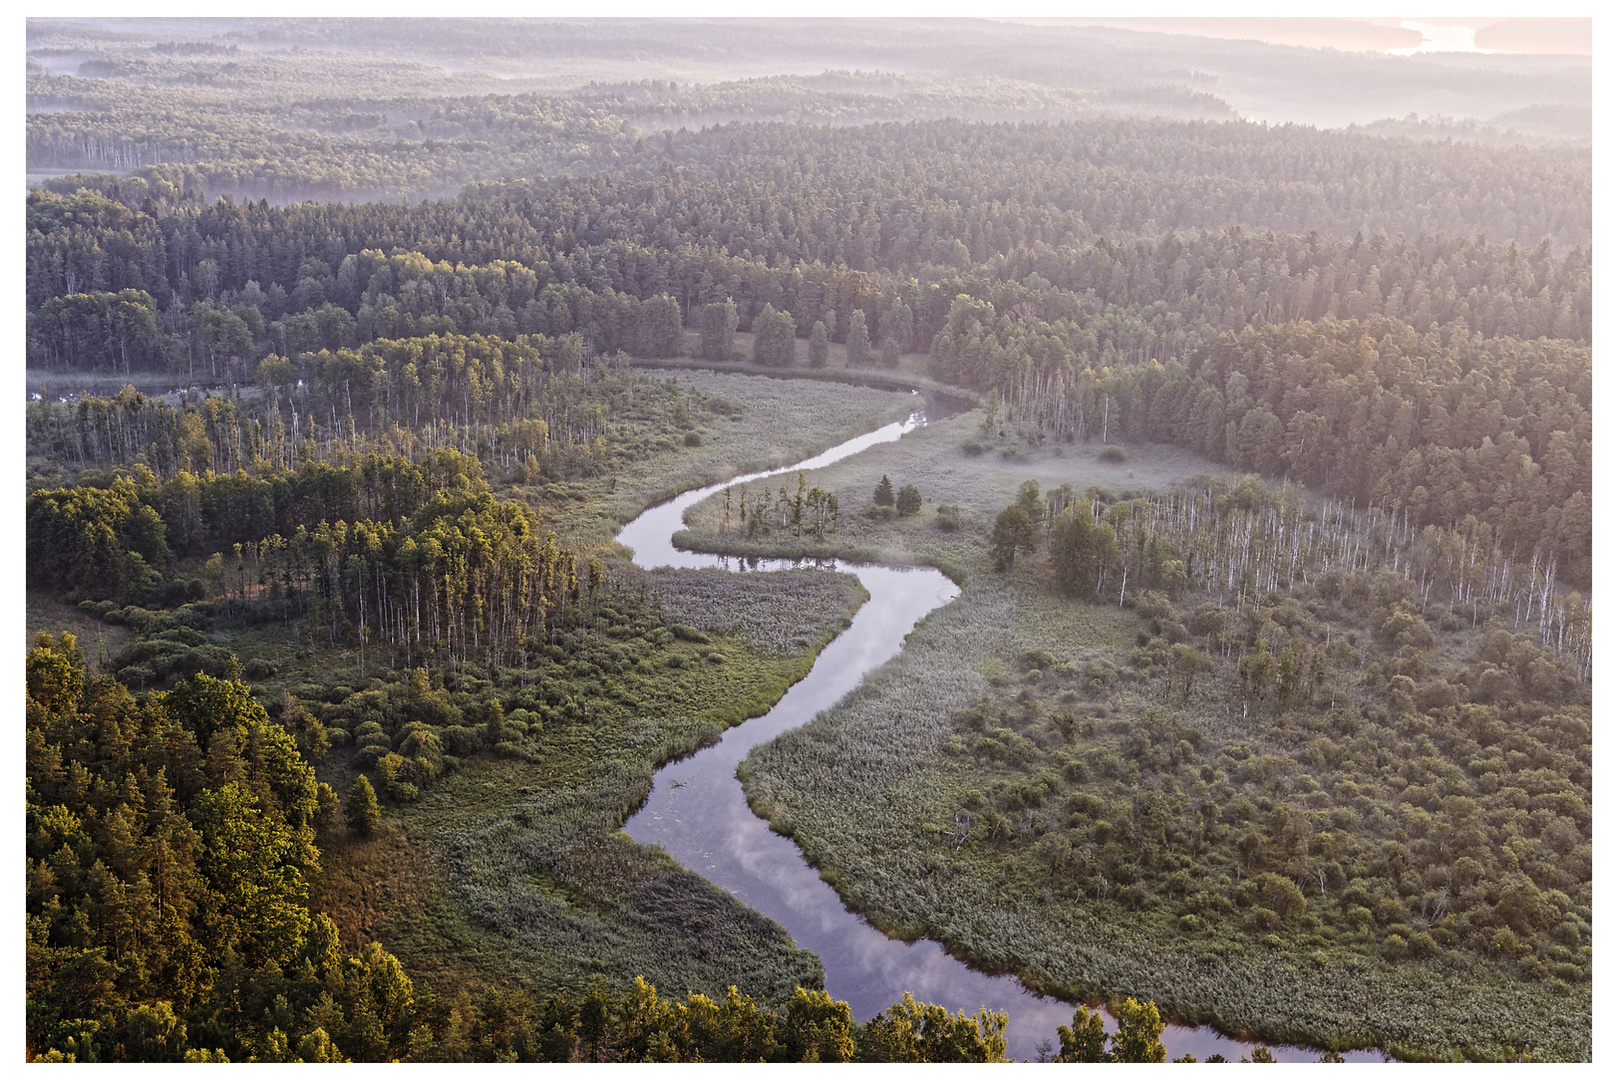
(1113, 454)
(362, 811)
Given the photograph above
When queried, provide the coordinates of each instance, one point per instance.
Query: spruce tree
(883, 496)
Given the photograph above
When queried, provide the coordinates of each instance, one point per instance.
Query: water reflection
(698, 813)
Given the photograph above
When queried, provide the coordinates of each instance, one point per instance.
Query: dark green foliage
(858, 341)
(883, 496)
(660, 327)
(1013, 533)
(1081, 549)
(896, 326)
(85, 539)
(774, 344)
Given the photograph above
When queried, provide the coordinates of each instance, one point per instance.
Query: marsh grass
(932, 459)
(764, 425)
(869, 792)
(767, 613)
(515, 870)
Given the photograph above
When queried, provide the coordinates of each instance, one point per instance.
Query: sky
(1398, 36)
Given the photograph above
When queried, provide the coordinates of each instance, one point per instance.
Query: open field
(98, 641)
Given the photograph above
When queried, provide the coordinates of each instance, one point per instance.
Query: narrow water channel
(697, 811)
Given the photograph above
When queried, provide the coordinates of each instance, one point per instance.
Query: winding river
(697, 811)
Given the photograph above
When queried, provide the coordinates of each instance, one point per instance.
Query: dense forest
(336, 358)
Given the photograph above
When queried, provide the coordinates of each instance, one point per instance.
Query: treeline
(1236, 543)
(114, 289)
(194, 514)
(1438, 427)
(1113, 176)
(532, 409)
(442, 568)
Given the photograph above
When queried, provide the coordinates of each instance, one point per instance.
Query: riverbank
(873, 789)
(906, 377)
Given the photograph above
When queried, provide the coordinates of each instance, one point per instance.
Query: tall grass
(765, 426)
(515, 869)
(867, 792)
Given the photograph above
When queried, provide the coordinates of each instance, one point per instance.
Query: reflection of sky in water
(698, 814)
(1440, 39)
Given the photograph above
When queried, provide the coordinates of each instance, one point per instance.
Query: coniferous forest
(1264, 708)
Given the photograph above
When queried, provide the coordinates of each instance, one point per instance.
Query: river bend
(698, 814)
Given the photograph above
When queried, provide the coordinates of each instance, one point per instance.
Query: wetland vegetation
(1266, 780)
(1266, 701)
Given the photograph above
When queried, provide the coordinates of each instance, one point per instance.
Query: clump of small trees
(907, 501)
(814, 509)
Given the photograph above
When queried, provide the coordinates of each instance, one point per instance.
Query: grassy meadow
(933, 458)
(751, 425)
